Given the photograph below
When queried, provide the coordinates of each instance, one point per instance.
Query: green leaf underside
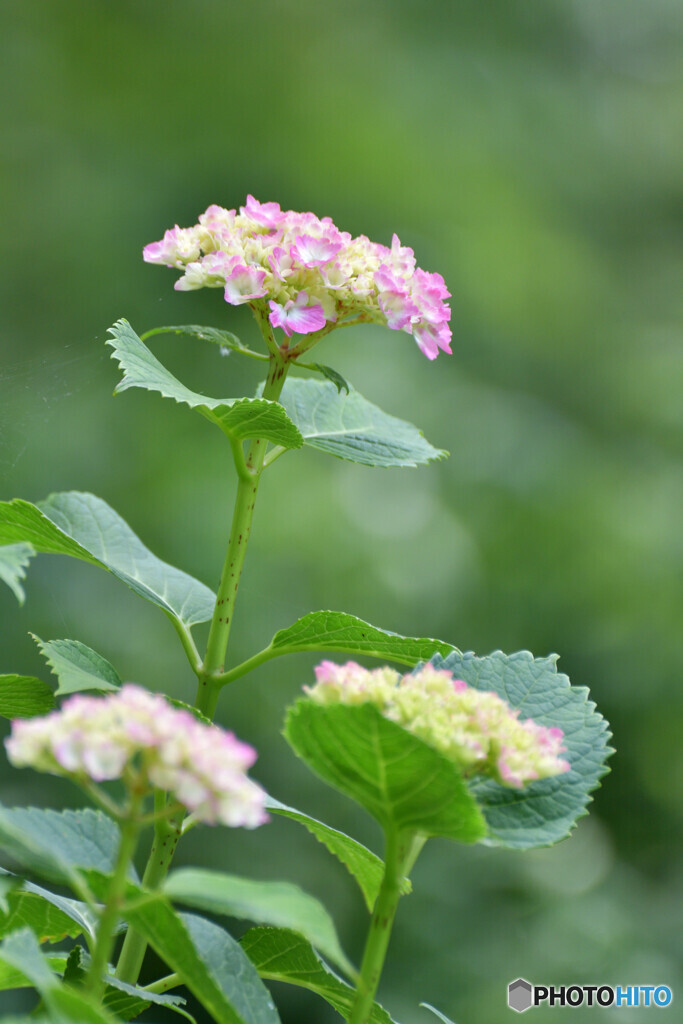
(274, 903)
(57, 845)
(209, 961)
(12, 977)
(77, 667)
(82, 525)
(128, 1001)
(24, 697)
(281, 955)
(402, 782)
(14, 559)
(545, 811)
(49, 916)
(361, 863)
(338, 631)
(239, 418)
(352, 428)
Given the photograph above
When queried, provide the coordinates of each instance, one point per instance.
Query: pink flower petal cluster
(475, 729)
(312, 275)
(134, 731)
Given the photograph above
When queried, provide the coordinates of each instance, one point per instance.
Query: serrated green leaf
(59, 844)
(238, 418)
(208, 960)
(361, 863)
(77, 667)
(24, 697)
(274, 903)
(49, 916)
(14, 559)
(352, 428)
(399, 779)
(79, 524)
(282, 955)
(545, 811)
(337, 631)
(128, 1001)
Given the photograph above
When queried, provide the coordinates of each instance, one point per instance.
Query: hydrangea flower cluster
(134, 731)
(313, 275)
(475, 729)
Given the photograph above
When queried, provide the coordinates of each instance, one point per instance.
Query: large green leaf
(12, 977)
(24, 697)
(57, 845)
(282, 955)
(399, 779)
(79, 524)
(362, 864)
(49, 916)
(13, 561)
(78, 667)
(543, 812)
(238, 418)
(273, 903)
(208, 960)
(350, 427)
(338, 631)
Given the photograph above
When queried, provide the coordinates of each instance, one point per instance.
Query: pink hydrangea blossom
(474, 728)
(269, 258)
(135, 732)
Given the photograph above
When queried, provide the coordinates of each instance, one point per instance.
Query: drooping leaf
(225, 339)
(78, 667)
(58, 844)
(50, 917)
(208, 960)
(273, 903)
(361, 863)
(338, 631)
(238, 418)
(437, 1013)
(24, 697)
(14, 559)
(545, 811)
(352, 428)
(79, 524)
(399, 779)
(279, 954)
(339, 382)
(128, 1001)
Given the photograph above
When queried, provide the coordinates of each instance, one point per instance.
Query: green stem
(167, 832)
(399, 848)
(164, 984)
(106, 928)
(249, 473)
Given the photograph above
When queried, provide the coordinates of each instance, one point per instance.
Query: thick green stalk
(249, 471)
(399, 847)
(166, 836)
(106, 928)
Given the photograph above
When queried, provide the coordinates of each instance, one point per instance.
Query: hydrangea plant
(498, 749)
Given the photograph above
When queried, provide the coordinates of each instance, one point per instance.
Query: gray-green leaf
(51, 917)
(352, 428)
(78, 667)
(14, 559)
(79, 524)
(209, 961)
(273, 903)
(545, 811)
(282, 955)
(399, 779)
(24, 697)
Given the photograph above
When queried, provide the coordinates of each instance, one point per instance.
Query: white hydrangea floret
(135, 734)
(475, 729)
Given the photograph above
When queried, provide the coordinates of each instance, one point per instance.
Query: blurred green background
(529, 150)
